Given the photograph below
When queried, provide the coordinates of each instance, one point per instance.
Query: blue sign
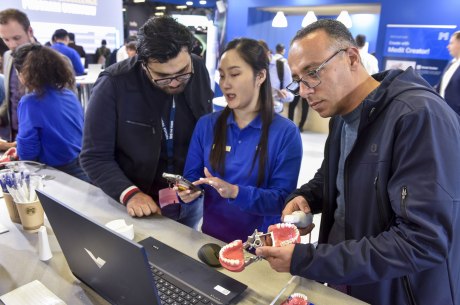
(418, 41)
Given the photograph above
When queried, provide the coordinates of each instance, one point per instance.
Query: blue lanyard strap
(169, 136)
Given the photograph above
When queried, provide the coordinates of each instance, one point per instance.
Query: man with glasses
(388, 188)
(15, 30)
(140, 119)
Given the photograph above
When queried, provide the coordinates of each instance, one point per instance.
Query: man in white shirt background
(449, 87)
(369, 61)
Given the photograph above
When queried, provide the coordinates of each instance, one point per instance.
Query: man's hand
(298, 204)
(142, 205)
(278, 257)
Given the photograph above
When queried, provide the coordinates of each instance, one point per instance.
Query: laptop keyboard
(173, 292)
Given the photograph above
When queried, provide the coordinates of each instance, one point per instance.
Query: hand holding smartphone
(181, 183)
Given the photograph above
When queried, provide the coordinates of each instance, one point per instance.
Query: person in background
(102, 54)
(388, 187)
(15, 30)
(250, 157)
(131, 49)
(140, 120)
(122, 54)
(369, 61)
(303, 115)
(50, 115)
(80, 50)
(449, 87)
(61, 37)
(280, 50)
(280, 76)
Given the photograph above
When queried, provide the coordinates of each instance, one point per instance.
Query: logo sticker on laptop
(99, 261)
(222, 290)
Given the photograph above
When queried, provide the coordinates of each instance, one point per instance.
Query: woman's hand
(187, 196)
(225, 189)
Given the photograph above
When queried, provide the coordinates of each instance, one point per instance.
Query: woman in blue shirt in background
(249, 156)
(50, 115)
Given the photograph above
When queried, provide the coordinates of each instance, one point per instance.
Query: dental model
(296, 299)
(231, 256)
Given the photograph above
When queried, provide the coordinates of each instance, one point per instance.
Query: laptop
(126, 272)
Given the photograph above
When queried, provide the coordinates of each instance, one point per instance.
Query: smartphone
(181, 183)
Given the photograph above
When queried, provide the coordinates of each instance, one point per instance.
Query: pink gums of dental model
(231, 256)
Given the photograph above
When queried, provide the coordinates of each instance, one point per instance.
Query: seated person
(249, 155)
(50, 115)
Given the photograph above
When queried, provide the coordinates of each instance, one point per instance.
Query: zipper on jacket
(141, 124)
(408, 289)
(403, 201)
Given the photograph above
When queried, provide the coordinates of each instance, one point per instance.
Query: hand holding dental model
(232, 257)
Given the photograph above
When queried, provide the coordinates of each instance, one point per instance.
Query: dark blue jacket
(122, 132)
(402, 197)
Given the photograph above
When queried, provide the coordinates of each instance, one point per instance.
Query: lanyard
(169, 136)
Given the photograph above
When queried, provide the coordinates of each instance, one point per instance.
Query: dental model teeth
(284, 234)
(231, 256)
(296, 299)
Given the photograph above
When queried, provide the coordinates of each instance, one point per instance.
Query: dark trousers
(304, 114)
(73, 168)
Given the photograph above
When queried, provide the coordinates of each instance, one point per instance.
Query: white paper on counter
(33, 293)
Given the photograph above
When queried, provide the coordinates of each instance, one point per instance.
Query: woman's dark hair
(42, 67)
(162, 38)
(256, 57)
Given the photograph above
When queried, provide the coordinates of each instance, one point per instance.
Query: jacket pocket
(141, 124)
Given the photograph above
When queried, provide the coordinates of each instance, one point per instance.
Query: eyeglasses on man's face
(311, 78)
(161, 82)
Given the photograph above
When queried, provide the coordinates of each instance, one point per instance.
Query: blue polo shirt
(72, 55)
(254, 207)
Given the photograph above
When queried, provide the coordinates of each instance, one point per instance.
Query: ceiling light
(159, 14)
(345, 18)
(138, 1)
(160, 8)
(189, 3)
(181, 7)
(309, 18)
(279, 21)
(202, 2)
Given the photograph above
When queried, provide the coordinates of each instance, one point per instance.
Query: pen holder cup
(32, 215)
(12, 208)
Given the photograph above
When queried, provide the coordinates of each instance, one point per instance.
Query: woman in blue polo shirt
(50, 116)
(246, 157)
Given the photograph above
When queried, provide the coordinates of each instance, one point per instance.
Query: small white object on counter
(44, 250)
(120, 226)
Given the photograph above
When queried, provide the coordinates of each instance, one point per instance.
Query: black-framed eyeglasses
(161, 82)
(311, 78)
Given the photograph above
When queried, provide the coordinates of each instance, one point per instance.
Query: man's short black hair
(60, 34)
(162, 38)
(337, 32)
(72, 36)
(279, 48)
(360, 40)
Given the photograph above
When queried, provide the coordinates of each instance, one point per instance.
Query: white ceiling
(325, 10)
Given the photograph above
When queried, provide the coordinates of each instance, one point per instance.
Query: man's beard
(176, 90)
